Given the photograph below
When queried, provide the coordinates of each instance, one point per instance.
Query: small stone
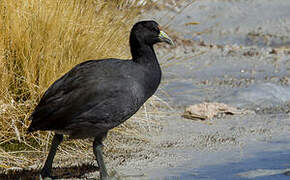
(273, 51)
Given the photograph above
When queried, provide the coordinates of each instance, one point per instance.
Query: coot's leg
(97, 148)
(46, 170)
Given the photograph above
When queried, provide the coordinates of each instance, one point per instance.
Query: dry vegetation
(40, 41)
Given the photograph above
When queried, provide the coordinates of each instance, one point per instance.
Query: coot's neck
(143, 53)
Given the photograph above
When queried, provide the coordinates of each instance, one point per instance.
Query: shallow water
(261, 160)
(263, 165)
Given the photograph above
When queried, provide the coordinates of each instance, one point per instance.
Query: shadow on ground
(59, 172)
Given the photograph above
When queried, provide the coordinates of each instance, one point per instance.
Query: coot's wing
(112, 104)
(87, 92)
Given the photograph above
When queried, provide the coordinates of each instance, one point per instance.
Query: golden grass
(41, 40)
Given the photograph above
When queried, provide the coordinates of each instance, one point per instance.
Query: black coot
(98, 95)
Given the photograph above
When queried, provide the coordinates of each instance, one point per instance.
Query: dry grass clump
(40, 41)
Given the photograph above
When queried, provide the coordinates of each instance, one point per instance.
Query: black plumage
(98, 95)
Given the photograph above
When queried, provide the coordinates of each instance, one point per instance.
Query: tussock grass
(41, 40)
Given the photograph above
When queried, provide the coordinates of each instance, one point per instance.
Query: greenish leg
(46, 170)
(97, 148)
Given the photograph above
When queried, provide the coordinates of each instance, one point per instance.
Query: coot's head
(149, 33)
